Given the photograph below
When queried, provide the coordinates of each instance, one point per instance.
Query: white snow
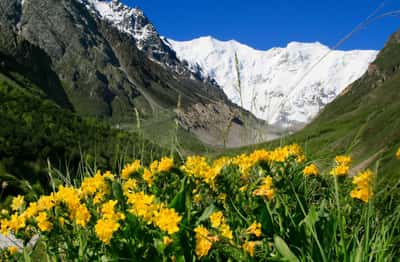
(278, 85)
(123, 17)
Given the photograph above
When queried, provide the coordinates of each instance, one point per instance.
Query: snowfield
(284, 86)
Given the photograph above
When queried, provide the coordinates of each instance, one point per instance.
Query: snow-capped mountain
(129, 20)
(285, 86)
(132, 21)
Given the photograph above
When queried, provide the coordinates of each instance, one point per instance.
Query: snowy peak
(286, 86)
(129, 20)
(134, 23)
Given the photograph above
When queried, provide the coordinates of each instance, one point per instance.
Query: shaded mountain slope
(101, 71)
(35, 130)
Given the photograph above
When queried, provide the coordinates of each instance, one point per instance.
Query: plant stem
(340, 220)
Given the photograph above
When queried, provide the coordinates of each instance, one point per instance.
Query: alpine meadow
(118, 143)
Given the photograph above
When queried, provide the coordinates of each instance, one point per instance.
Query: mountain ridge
(106, 73)
(265, 74)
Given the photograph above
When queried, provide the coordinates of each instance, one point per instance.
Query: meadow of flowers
(264, 206)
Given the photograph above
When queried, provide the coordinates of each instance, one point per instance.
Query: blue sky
(263, 24)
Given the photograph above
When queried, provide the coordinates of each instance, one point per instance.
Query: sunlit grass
(268, 205)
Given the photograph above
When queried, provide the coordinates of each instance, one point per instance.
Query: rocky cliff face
(108, 68)
(134, 23)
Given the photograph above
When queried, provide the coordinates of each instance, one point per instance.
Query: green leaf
(359, 254)
(117, 192)
(159, 245)
(206, 213)
(180, 258)
(284, 249)
(179, 203)
(311, 218)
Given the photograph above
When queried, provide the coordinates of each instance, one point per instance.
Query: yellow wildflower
(243, 189)
(398, 154)
(98, 183)
(363, 182)
(108, 211)
(69, 196)
(340, 170)
(363, 179)
(226, 231)
(343, 160)
(16, 223)
(361, 193)
(4, 227)
(61, 221)
(220, 163)
(343, 166)
(167, 240)
(148, 177)
(210, 173)
(261, 155)
(46, 203)
(89, 185)
(167, 220)
(265, 190)
(296, 150)
(245, 164)
(142, 205)
(31, 211)
(279, 155)
(12, 250)
(130, 169)
(109, 175)
(311, 170)
(165, 165)
(81, 215)
(105, 228)
(222, 197)
(249, 247)
(17, 202)
(254, 229)
(197, 198)
(43, 223)
(204, 241)
(154, 166)
(129, 186)
(196, 166)
(98, 197)
(216, 219)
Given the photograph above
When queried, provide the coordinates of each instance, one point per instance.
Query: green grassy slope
(34, 129)
(364, 121)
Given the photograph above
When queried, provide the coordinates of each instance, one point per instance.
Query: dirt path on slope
(364, 164)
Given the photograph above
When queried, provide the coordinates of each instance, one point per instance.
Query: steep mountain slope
(116, 69)
(35, 130)
(272, 84)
